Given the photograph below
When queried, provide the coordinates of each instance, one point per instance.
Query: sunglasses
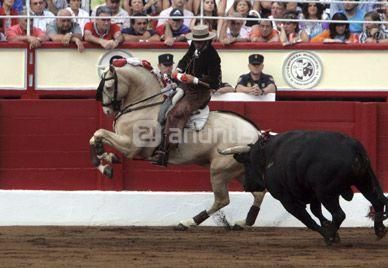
(37, 3)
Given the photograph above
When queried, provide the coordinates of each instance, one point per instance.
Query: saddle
(196, 122)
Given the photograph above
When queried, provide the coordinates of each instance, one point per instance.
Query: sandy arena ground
(197, 247)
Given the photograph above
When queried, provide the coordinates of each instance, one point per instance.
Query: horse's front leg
(98, 154)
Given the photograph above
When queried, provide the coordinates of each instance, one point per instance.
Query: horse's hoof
(115, 159)
(181, 227)
(108, 172)
(237, 227)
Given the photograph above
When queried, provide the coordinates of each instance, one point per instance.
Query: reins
(128, 109)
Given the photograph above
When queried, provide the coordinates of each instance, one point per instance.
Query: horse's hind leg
(221, 173)
(253, 211)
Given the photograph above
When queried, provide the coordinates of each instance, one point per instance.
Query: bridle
(116, 104)
(113, 101)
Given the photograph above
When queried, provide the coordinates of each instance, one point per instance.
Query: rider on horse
(200, 63)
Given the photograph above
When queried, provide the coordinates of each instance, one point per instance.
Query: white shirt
(166, 12)
(81, 22)
(119, 18)
(42, 22)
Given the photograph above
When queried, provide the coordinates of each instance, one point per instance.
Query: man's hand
(169, 41)
(80, 45)
(66, 39)
(108, 44)
(33, 41)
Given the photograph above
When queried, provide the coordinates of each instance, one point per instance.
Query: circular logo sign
(302, 70)
(106, 59)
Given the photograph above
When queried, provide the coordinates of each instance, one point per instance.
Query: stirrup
(160, 158)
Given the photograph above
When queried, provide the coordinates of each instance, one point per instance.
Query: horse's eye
(108, 88)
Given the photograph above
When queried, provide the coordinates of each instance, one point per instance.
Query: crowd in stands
(250, 21)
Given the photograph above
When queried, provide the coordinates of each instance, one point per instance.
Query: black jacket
(206, 66)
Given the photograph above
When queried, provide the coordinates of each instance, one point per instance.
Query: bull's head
(251, 157)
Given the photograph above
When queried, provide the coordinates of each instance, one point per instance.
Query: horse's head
(122, 86)
(111, 91)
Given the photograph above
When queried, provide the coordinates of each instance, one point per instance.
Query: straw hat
(200, 33)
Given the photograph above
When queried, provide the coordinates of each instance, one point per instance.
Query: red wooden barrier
(45, 143)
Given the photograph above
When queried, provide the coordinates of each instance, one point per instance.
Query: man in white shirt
(37, 8)
(176, 4)
(118, 13)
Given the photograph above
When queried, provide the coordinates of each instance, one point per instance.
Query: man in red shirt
(18, 33)
(102, 32)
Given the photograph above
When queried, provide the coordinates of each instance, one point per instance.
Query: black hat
(256, 59)
(176, 12)
(166, 59)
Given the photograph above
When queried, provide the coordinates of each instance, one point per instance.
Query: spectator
(119, 15)
(383, 11)
(354, 13)
(38, 9)
(232, 31)
(176, 4)
(256, 82)
(220, 6)
(364, 6)
(55, 5)
(76, 11)
(293, 7)
(245, 8)
(173, 30)
(102, 32)
(209, 10)
(313, 11)
(7, 10)
(264, 32)
(64, 30)
(265, 9)
(18, 33)
(277, 12)
(373, 33)
(138, 31)
(18, 5)
(150, 7)
(337, 32)
(289, 31)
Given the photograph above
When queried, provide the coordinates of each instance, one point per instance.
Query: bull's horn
(235, 150)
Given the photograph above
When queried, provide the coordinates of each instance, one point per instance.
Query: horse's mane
(241, 116)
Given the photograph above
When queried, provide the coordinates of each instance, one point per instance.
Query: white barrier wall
(13, 68)
(88, 208)
(321, 69)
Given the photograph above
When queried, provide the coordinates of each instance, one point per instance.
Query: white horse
(132, 95)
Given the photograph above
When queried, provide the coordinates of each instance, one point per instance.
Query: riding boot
(160, 156)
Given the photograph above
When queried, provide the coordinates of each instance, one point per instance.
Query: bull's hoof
(380, 231)
(181, 227)
(108, 172)
(337, 238)
(237, 227)
(115, 159)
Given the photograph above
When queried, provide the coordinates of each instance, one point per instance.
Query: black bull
(307, 167)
